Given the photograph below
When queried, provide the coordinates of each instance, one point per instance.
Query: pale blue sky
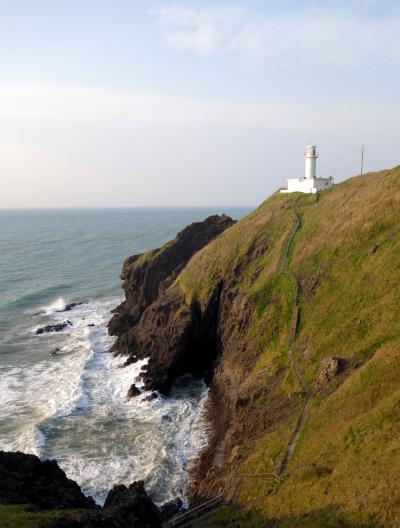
(191, 103)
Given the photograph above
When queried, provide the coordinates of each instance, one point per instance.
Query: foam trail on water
(73, 407)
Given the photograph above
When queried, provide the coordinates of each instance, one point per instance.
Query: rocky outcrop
(330, 367)
(69, 306)
(133, 391)
(155, 321)
(176, 338)
(146, 276)
(170, 509)
(57, 327)
(25, 479)
(43, 486)
(309, 282)
(130, 507)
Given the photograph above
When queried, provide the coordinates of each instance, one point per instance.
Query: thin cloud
(204, 30)
(315, 35)
(52, 104)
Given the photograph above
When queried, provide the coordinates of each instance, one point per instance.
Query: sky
(141, 103)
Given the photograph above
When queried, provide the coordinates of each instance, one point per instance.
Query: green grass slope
(345, 470)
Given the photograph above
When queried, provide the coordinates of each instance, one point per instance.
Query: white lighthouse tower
(311, 162)
(310, 184)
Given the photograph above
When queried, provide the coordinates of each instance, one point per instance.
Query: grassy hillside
(20, 516)
(345, 470)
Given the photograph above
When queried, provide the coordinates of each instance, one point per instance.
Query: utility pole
(362, 159)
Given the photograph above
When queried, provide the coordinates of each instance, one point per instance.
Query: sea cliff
(155, 321)
(303, 410)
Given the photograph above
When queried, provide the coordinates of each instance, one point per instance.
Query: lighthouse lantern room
(310, 184)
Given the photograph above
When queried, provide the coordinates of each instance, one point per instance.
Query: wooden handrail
(194, 513)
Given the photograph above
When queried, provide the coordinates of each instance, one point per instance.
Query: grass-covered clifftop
(346, 257)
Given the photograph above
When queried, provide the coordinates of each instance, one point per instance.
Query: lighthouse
(310, 184)
(311, 162)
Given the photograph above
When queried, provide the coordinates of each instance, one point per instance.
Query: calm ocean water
(72, 406)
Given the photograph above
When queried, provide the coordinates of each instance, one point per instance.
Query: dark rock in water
(154, 321)
(91, 324)
(130, 507)
(130, 360)
(55, 352)
(25, 479)
(69, 306)
(53, 327)
(151, 397)
(133, 391)
(170, 509)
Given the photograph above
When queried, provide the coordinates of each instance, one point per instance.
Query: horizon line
(82, 207)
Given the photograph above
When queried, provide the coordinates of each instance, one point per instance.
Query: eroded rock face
(309, 282)
(237, 420)
(155, 322)
(25, 479)
(330, 367)
(176, 338)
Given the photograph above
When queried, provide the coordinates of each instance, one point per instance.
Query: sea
(63, 395)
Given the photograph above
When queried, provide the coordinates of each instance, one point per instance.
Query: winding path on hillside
(291, 338)
(199, 516)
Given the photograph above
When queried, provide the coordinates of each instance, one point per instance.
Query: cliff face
(154, 321)
(230, 307)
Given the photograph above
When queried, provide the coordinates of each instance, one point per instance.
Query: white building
(310, 184)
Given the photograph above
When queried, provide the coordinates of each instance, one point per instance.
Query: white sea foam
(56, 306)
(73, 407)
